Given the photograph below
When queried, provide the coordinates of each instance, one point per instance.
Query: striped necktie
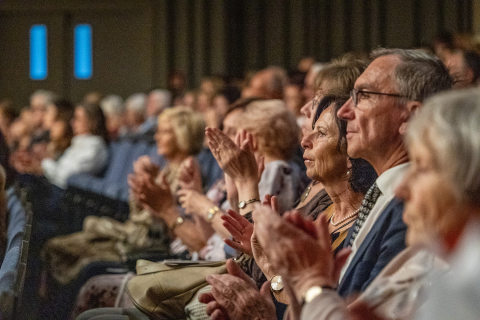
(367, 205)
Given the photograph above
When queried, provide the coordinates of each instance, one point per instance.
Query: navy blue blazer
(384, 241)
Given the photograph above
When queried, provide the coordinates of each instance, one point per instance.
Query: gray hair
(420, 74)
(48, 96)
(448, 125)
(136, 102)
(112, 105)
(278, 77)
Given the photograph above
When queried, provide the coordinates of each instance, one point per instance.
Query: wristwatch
(314, 292)
(212, 212)
(243, 204)
(276, 284)
(177, 223)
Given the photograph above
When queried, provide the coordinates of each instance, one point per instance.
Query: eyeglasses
(354, 94)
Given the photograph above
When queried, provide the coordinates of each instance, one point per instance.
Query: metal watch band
(243, 204)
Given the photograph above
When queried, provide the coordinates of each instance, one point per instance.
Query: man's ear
(410, 109)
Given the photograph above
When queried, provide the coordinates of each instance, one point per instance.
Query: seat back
(14, 266)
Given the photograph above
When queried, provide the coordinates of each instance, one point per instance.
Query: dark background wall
(136, 43)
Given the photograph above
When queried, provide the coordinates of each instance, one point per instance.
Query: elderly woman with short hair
(275, 134)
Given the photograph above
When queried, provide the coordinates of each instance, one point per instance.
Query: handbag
(161, 290)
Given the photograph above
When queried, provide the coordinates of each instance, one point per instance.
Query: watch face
(242, 204)
(277, 283)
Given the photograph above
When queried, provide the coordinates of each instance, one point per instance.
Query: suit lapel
(366, 242)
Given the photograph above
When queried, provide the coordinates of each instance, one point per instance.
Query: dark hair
(472, 60)
(362, 173)
(65, 111)
(231, 93)
(8, 110)
(97, 120)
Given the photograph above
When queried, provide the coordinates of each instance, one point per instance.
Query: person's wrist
(246, 184)
(305, 283)
(169, 215)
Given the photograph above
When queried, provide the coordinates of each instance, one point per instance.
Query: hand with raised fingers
(240, 229)
(271, 201)
(144, 165)
(235, 296)
(155, 195)
(238, 161)
(190, 175)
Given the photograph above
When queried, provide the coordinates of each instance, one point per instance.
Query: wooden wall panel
(15, 82)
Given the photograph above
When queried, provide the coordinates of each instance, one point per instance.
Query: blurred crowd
(358, 177)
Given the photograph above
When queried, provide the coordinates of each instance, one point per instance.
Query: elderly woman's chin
(312, 173)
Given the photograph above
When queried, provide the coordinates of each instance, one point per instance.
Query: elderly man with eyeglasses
(385, 97)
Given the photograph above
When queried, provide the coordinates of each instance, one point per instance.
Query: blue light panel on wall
(38, 52)
(83, 51)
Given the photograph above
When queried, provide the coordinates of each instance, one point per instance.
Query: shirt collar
(388, 181)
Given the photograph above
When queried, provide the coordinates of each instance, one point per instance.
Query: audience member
(464, 67)
(294, 101)
(57, 121)
(267, 84)
(213, 204)
(309, 86)
(39, 101)
(441, 194)
(8, 114)
(386, 95)
(135, 107)
(114, 111)
(88, 151)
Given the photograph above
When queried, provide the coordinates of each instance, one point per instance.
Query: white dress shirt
(87, 153)
(387, 183)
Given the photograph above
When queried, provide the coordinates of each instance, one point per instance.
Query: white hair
(112, 105)
(164, 98)
(449, 126)
(137, 102)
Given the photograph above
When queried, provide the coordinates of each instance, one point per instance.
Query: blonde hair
(188, 126)
(273, 126)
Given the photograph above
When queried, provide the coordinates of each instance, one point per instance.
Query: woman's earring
(348, 173)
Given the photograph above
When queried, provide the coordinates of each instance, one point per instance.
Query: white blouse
(87, 154)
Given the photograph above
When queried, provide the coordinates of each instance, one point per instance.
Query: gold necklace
(354, 213)
(307, 191)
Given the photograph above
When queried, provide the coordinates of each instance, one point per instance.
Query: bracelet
(243, 204)
(177, 223)
(211, 213)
